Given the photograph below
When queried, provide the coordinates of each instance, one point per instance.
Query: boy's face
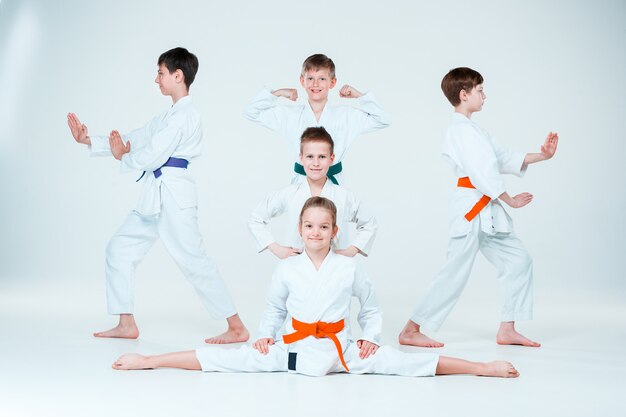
(317, 84)
(316, 159)
(316, 229)
(166, 80)
(475, 98)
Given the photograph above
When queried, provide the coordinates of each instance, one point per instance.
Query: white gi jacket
(177, 133)
(300, 291)
(344, 123)
(291, 199)
(472, 152)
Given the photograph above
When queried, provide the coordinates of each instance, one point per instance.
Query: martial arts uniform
(299, 292)
(343, 123)
(291, 199)
(167, 209)
(471, 152)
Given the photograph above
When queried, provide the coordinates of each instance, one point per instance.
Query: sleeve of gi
(370, 317)
(153, 144)
(275, 309)
(274, 205)
(263, 110)
(509, 161)
(366, 225)
(367, 117)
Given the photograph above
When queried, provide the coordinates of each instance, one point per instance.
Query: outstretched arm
(79, 130)
(548, 149)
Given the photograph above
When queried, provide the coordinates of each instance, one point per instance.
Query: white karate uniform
(300, 291)
(472, 152)
(343, 123)
(291, 199)
(167, 209)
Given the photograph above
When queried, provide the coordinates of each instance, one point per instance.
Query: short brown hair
(182, 59)
(318, 61)
(316, 134)
(458, 79)
(323, 203)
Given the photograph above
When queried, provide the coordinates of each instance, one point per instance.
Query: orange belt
(317, 330)
(484, 200)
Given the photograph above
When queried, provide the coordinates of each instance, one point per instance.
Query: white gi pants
(515, 277)
(387, 361)
(178, 230)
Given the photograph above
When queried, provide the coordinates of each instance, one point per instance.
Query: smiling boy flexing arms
(344, 123)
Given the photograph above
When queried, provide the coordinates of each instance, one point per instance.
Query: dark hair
(320, 202)
(182, 59)
(317, 61)
(316, 134)
(458, 79)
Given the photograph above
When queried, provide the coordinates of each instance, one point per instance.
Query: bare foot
(507, 335)
(502, 369)
(129, 361)
(412, 336)
(229, 336)
(125, 329)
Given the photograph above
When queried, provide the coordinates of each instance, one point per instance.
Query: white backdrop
(558, 65)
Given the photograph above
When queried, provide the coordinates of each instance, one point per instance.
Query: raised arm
(79, 130)
(548, 149)
(367, 116)
(263, 110)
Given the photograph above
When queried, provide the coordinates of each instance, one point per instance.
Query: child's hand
(262, 345)
(118, 149)
(283, 252)
(349, 92)
(548, 149)
(79, 130)
(350, 251)
(288, 93)
(519, 200)
(366, 349)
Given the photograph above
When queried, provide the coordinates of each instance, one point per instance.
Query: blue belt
(171, 162)
(332, 171)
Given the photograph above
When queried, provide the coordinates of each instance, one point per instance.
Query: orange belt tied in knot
(318, 330)
(484, 200)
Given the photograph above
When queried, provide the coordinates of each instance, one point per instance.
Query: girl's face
(317, 229)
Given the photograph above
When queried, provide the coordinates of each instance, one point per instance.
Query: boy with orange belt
(479, 221)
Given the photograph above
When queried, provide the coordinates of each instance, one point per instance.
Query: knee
(523, 264)
(111, 249)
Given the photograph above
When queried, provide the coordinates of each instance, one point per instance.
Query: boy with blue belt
(344, 123)
(479, 221)
(167, 208)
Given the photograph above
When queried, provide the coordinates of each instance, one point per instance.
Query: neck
(178, 95)
(317, 256)
(464, 112)
(318, 106)
(316, 185)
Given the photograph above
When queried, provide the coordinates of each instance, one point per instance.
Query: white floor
(50, 365)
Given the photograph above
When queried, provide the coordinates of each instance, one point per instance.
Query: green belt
(332, 171)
